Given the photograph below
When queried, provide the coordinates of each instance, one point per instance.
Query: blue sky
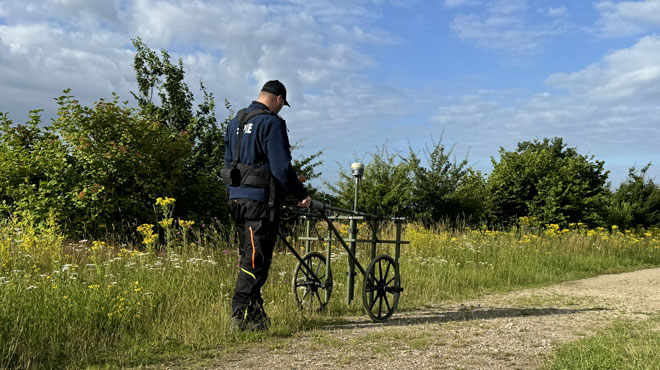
(479, 74)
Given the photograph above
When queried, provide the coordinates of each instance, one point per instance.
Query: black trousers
(257, 235)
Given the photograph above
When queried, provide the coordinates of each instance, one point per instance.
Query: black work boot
(239, 320)
(258, 318)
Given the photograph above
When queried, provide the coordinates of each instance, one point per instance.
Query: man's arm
(279, 159)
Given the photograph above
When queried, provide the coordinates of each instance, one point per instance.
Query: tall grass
(444, 265)
(72, 304)
(625, 345)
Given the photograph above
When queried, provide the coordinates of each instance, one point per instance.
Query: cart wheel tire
(312, 294)
(381, 288)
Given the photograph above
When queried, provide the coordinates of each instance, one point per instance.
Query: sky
(475, 75)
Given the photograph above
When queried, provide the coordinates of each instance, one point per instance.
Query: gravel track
(516, 330)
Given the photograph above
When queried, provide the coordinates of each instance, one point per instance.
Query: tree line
(544, 181)
(97, 169)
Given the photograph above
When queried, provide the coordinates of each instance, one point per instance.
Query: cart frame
(312, 277)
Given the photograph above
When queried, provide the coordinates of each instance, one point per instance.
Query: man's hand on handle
(305, 203)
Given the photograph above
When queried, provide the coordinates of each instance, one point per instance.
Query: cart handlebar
(320, 206)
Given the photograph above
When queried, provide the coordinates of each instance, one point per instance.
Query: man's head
(273, 95)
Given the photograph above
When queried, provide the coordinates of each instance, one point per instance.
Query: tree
(35, 174)
(636, 202)
(548, 181)
(153, 73)
(202, 195)
(385, 189)
(102, 166)
(94, 169)
(448, 190)
(307, 167)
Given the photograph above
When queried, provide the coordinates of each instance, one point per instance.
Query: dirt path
(503, 331)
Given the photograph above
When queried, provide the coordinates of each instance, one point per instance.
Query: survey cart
(312, 277)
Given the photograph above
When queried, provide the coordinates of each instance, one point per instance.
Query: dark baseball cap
(277, 88)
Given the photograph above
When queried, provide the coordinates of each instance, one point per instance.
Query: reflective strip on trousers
(253, 249)
(249, 273)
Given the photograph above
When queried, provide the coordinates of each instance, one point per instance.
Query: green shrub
(96, 169)
(547, 181)
(636, 202)
(35, 172)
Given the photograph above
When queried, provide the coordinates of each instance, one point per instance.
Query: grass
(626, 345)
(89, 304)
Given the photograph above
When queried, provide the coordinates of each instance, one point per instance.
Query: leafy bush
(35, 172)
(447, 190)
(201, 195)
(444, 191)
(94, 168)
(385, 188)
(636, 202)
(549, 182)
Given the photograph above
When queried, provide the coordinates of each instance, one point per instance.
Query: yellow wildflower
(145, 229)
(166, 222)
(164, 201)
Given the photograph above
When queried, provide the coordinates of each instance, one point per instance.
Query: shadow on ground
(463, 313)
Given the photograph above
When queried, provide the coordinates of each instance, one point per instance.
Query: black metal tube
(374, 242)
(351, 261)
(290, 247)
(308, 227)
(343, 244)
(397, 253)
(316, 205)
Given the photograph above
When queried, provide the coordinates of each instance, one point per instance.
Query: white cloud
(504, 26)
(458, 3)
(628, 17)
(320, 50)
(558, 12)
(508, 6)
(610, 109)
(314, 47)
(629, 75)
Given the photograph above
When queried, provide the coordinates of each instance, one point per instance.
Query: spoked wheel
(311, 286)
(381, 288)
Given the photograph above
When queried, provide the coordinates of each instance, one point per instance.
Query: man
(261, 161)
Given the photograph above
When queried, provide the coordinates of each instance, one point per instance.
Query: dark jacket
(265, 145)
